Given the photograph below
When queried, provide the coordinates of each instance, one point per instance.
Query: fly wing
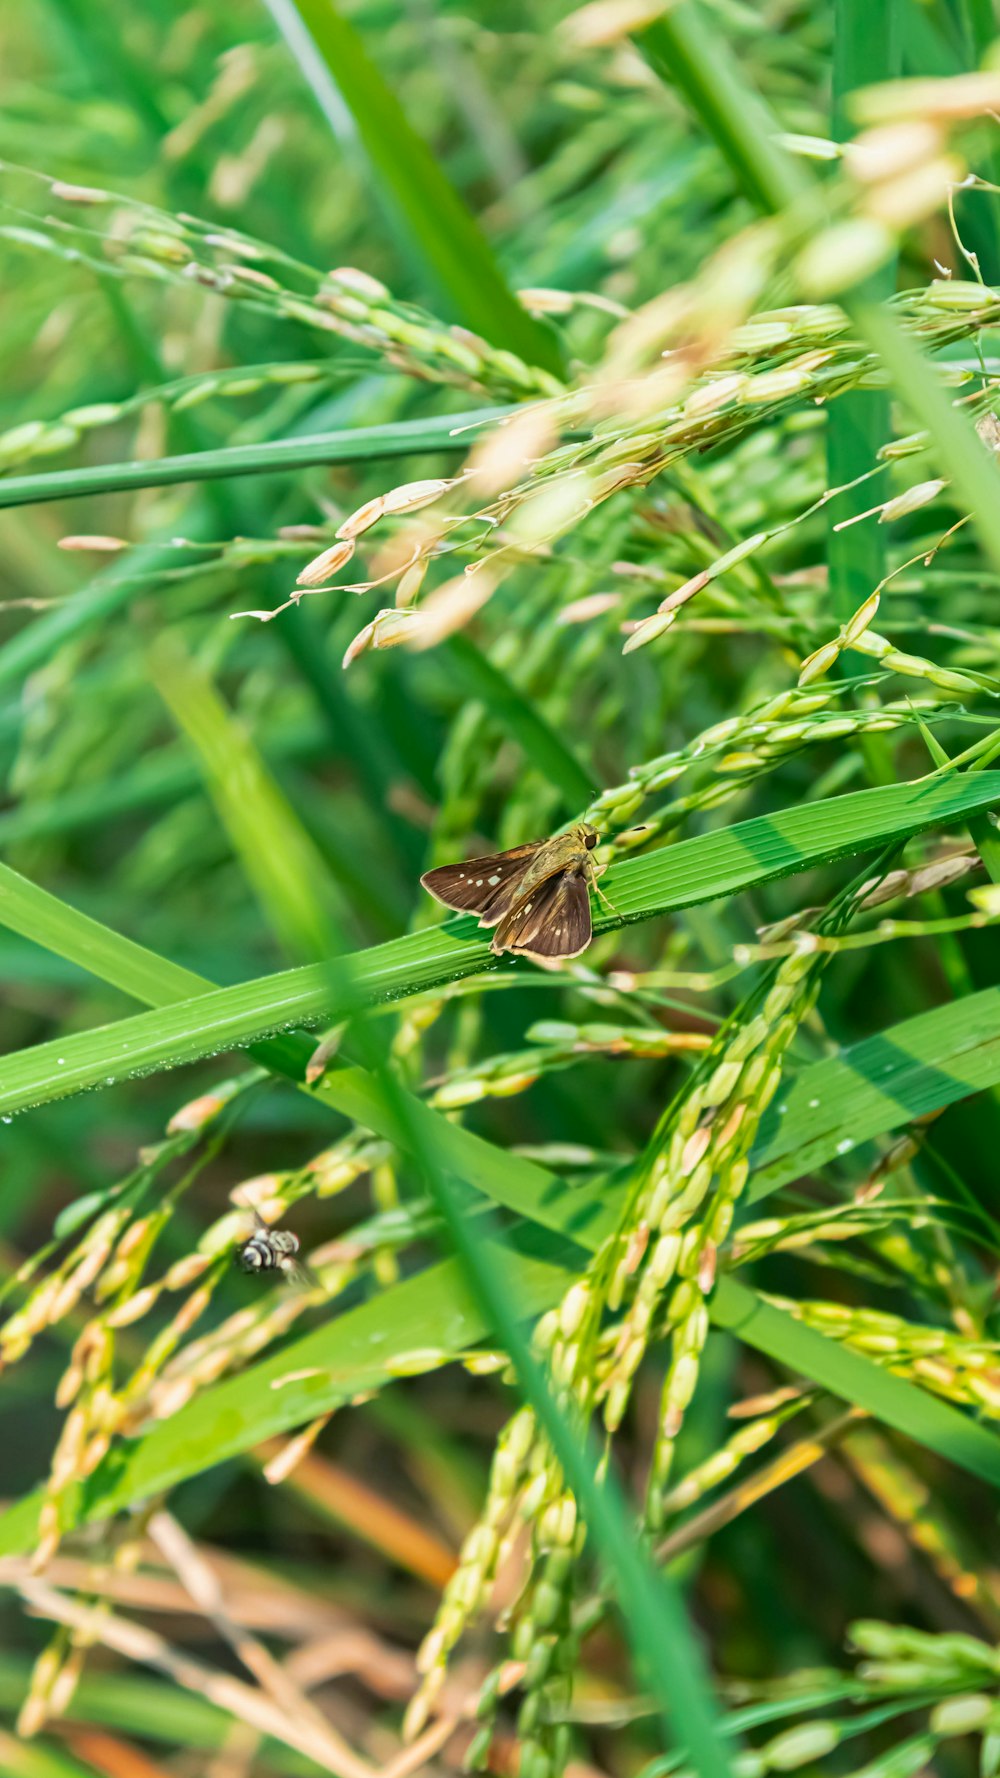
(552, 920)
(473, 887)
(301, 1276)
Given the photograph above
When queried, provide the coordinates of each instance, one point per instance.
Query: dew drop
(846, 1145)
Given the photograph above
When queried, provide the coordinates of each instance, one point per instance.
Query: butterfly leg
(593, 872)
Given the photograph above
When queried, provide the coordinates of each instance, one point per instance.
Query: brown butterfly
(537, 895)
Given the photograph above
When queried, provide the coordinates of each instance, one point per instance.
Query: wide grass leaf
(916, 1066)
(431, 1319)
(854, 1378)
(696, 870)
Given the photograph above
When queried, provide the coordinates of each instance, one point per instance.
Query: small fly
(537, 896)
(275, 1250)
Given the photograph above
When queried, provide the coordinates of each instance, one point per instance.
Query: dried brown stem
(137, 1643)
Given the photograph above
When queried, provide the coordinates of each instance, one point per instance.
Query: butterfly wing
(551, 920)
(485, 886)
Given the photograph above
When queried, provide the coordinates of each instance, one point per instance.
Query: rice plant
(552, 452)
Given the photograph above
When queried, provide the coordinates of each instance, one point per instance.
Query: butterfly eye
(591, 840)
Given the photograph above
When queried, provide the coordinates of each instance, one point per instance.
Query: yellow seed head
(322, 567)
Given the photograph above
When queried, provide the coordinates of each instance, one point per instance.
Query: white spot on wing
(493, 881)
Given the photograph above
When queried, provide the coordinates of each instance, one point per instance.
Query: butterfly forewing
(551, 920)
(537, 896)
(484, 886)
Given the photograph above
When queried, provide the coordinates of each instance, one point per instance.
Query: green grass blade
(99, 599)
(920, 1065)
(681, 48)
(696, 870)
(25, 1759)
(986, 840)
(865, 48)
(452, 247)
(954, 444)
(45, 920)
(285, 869)
(687, 53)
(522, 719)
(978, 25)
(918, 1415)
(163, 778)
(27, 909)
(374, 761)
(357, 444)
(858, 424)
(982, 23)
(109, 591)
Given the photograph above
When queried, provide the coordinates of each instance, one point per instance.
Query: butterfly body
(536, 896)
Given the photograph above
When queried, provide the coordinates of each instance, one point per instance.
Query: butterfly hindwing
(473, 887)
(552, 920)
